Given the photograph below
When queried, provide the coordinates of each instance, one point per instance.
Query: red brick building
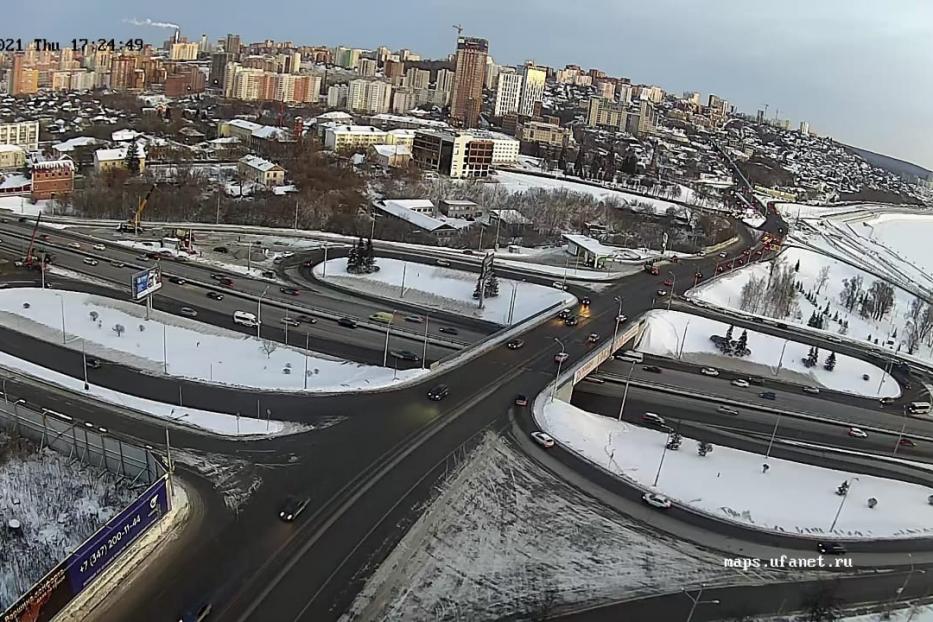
(51, 179)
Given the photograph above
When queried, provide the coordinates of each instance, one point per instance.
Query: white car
(443, 262)
(813, 390)
(558, 285)
(740, 382)
(653, 419)
(728, 410)
(543, 439)
(834, 339)
(90, 262)
(710, 371)
(560, 357)
(858, 433)
(662, 293)
(100, 247)
(74, 245)
(621, 318)
(656, 501)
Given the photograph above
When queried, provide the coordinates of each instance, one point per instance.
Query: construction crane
(133, 225)
(29, 260)
(459, 29)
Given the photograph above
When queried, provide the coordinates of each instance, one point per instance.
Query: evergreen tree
(797, 266)
(370, 258)
(830, 363)
(353, 260)
(562, 159)
(580, 163)
(742, 345)
(132, 158)
(492, 285)
(673, 441)
(729, 333)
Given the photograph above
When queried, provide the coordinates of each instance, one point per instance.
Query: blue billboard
(146, 282)
(107, 544)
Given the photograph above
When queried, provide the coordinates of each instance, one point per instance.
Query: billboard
(146, 282)
(51, 594)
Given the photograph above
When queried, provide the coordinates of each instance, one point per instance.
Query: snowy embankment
(506, 539)
(824, 280)
(57, 505)
(731, 485)
(181, 347)
(445, 289)
(673, 334)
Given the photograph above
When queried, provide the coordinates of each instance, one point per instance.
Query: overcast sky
(858, 70)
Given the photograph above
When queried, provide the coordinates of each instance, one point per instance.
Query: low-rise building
(418, 215)
(391, 156)
(110, 159)
(461, 208)
(348, 137)
(12, 156)
(261, 171)
(544, 133)
(23, 134)
(52, 179)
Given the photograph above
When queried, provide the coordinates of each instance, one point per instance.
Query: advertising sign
(146, 282)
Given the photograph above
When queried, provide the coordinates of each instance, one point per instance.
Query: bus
(918, 408)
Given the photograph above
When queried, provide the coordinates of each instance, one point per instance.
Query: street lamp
(628, 379)
(385, 353)
(773, 434)
(842, 503)
(560, 361)
(615, 333)
(259, 311)
(696, 601)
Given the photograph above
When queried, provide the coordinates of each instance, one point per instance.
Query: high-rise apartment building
(444, 80)
(417, 78)
(184, 51)
(369, 96)
(345, 57)
(394, 70)
(367, 67)
(337, 96)
(533, 79)
(467, 94)
(508, 93)
(232, 46)
(23, 79)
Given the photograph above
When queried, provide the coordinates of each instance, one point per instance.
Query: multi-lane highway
(375, 457)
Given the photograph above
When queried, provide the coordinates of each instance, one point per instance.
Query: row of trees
(732, 347)
(773, 295)
(873, 303)
(361, 259)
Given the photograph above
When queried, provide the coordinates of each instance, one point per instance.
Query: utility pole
(773, 434)
(424, 349)
(512, 303)
(259, 312)
(385, 353)
(307, 346)
(560, 361)
(670, 294)
(628, 380)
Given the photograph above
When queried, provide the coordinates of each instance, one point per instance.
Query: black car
(756, 381)
(767, 395)
(198, 614)
(93, 364)
(226, 281)
(585, 302)
(515, 344)
(438, 393)
(216, 276)
(269, 274)
(220, 249)
(405, 355)
(307, 319)
(448, 330)
(830, 548)
(570, 320)
(347, 322)
(215, 295)
(177, 280)
(291, 291)
(654, 369)
(292, 507)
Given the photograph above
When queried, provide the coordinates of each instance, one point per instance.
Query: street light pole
(307, 346)
(62, 301)
(628, 379)
(559, 363)
(324, 265)
(781, 360)
(696, 601)
(84, 360)
(259, 312)
(773, 434)
(900, 436)
(670, 294)
(385, 353)
(424, 347)
(841, 503)
(164, 351)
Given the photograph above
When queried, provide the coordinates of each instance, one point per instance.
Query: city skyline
(851, 72)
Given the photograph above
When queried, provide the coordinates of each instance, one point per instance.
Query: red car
(668, 282)
(906, 442)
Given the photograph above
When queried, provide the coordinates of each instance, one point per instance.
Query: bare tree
(822, 278)
(269, 346)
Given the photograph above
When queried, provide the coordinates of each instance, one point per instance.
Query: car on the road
(198, 614)
(657, 501)
(906, 442)
(560, 357)
(448, 330)
(668, 282)
(885, 401)
(811, 390)
(593, 338)
(723, 255)
(74, 245)
(307, 319)
(44, 237)
(756, 381)
(93, 364)
(177, 280)
(728, 410)
(564, 314)
(742, 383)
(216, 276)
(188, 311)
(858, 433)
(558, 285)
(438, 393)
(521, 400)
(226, 281)
(654, 369)
(406, 355)
(290, 321)
(142, 258)
(414, 319)
(621, 318)
(653, 419)
(99, 247)
(220, 249)
(571, 320)
(830, 548)
(467, 251)
(215, 295)
(543, 439)
(585, 301)
(515, 344)
(269, 274)
(834, 339)
(709, 371)
(90, 262)
(767, 395)
(698, 275)
(292, 507)
(291, 291)
(661, 293)
(347, 322)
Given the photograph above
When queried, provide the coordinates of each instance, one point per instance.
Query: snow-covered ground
(21, 206)
(674, 334)
(912, 613)
(505, 539)
(725, 291)
(193, 350)
(445, 288)
(59, 504)
(731, 485)
(908, 235)
(518, 182)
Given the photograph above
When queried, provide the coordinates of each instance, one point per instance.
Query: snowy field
(726, 291)
(59, 504)
(518, 182)
(908, 235)
(505, 539)
(912, 613)
(193, 350)
(664, 336)
(730, 484)
(446, 289)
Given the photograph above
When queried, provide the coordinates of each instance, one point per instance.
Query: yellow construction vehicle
(133, 225)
